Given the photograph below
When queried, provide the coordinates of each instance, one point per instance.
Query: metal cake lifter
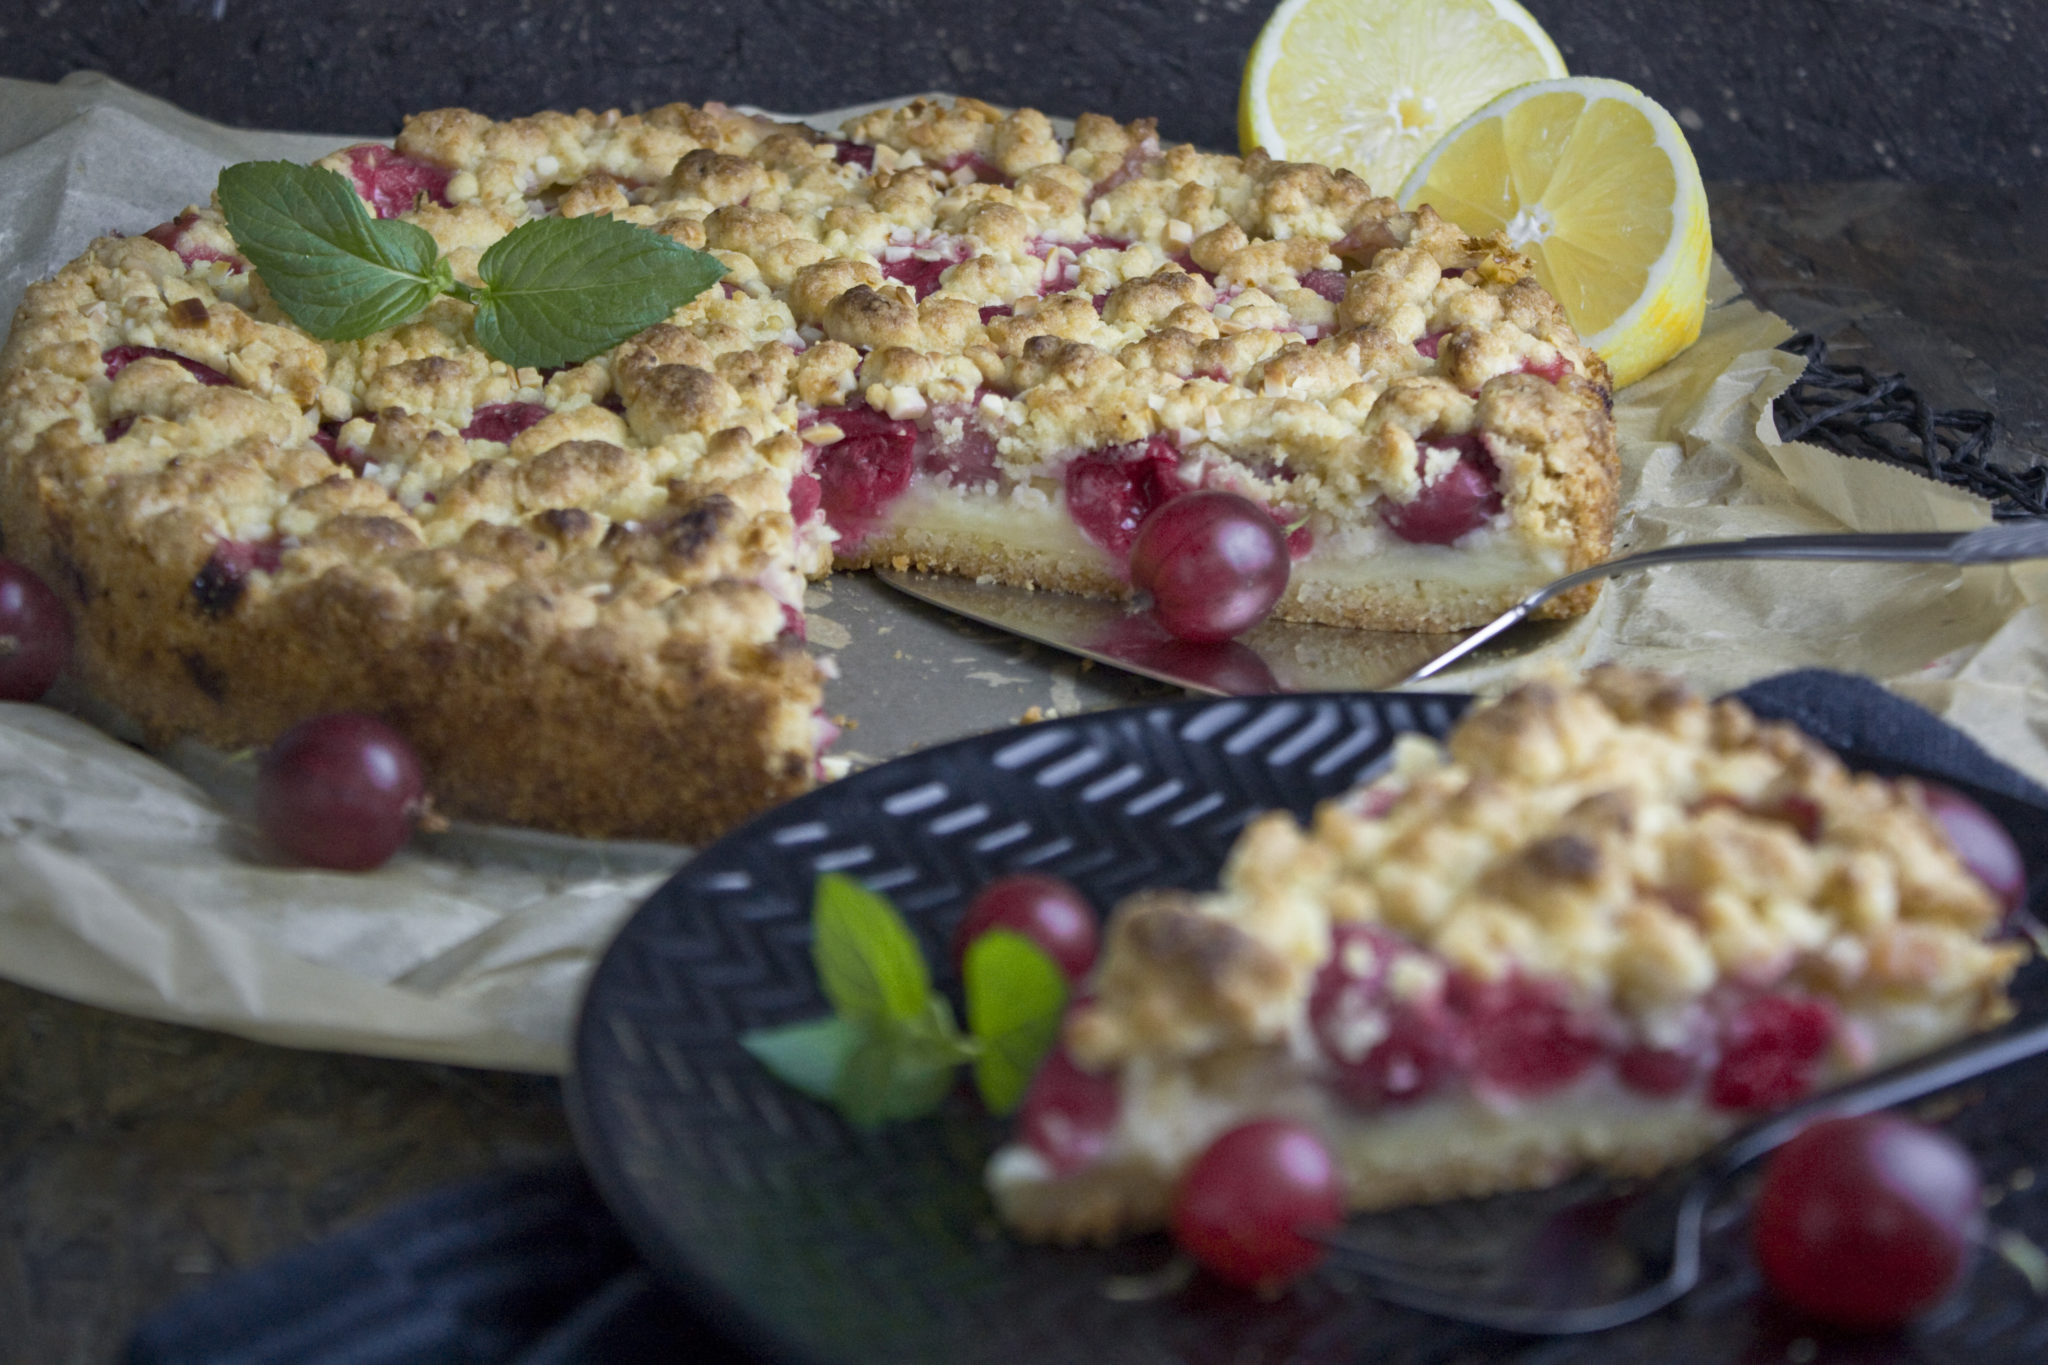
(1279, 656)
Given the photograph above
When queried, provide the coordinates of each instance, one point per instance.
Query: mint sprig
(891, 1048)
(555, 291)
(1014, 997)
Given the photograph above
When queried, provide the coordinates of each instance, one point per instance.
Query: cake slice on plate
(1602, 926)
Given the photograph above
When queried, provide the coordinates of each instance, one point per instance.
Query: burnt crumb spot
(66, 564)
(1565, 857)
(207, 676)
(218, 586)
(691, 533)
(1608, 810)
(1182, 939)
(567, 523)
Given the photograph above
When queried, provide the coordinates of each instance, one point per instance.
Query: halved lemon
(1370, 85)
(1594, 182)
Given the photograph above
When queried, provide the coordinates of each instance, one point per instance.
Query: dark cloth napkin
(521, 1268)
(528, 1268)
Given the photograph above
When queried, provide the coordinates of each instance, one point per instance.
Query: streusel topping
(1074, 294)
(1623, 837)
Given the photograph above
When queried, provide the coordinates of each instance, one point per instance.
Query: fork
(2000, 543)
(1613, 1256)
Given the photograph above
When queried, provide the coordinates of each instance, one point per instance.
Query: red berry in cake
(1110, 492)
(339, 791)
(864, 471)
(1771, 1051)
(1380, 1049)
(119, 358)
(1454, 504)
(179, 237)
(1214, 564)
(1069, 1115)
(1526, 1039)
(1242, 1209)
(1798, 810)
(393, 182)
(35, 634)
(1656, 1071)
(1980, 842)
(1867, 1222)
(1331, 284)
(502, 421)
(1048, 911)
(922, 276)
(806, 494)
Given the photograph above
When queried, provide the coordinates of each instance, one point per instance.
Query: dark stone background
(1919, 90)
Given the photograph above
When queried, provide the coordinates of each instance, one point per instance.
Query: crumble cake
(950, 338)
(1602, 925)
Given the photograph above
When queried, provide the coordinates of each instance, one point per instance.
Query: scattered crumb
(1942, 1108)
(1038, 713)
(1169, 1278)
(2019, 1252)
(430, 820)
(832, 767)
(846, 722)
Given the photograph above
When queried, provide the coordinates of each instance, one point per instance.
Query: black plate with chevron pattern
(812, 1242)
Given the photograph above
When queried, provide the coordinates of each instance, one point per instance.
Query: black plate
(811, 1241)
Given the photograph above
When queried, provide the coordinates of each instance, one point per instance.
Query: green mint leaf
(335, 271)
(1015, 995)
(867, 960)
(901, 1068)
(810, 1055)
(559, 290)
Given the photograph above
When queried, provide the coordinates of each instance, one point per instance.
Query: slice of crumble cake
(953, 338)
(1603, 925)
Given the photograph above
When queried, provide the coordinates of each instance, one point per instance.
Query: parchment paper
(130, 881)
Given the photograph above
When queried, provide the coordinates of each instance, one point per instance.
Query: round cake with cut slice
(1603, 925)
(954, 337)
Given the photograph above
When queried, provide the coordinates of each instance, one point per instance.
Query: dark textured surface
(1924, 90)
(138, 1160)
(1948, 284)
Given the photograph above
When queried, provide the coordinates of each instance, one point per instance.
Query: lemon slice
(1370, 85)
(1593, 181)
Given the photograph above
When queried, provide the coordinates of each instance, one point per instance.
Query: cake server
(1281, 656)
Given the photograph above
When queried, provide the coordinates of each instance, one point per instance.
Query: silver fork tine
(1997, 544)
(1538, 1265)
